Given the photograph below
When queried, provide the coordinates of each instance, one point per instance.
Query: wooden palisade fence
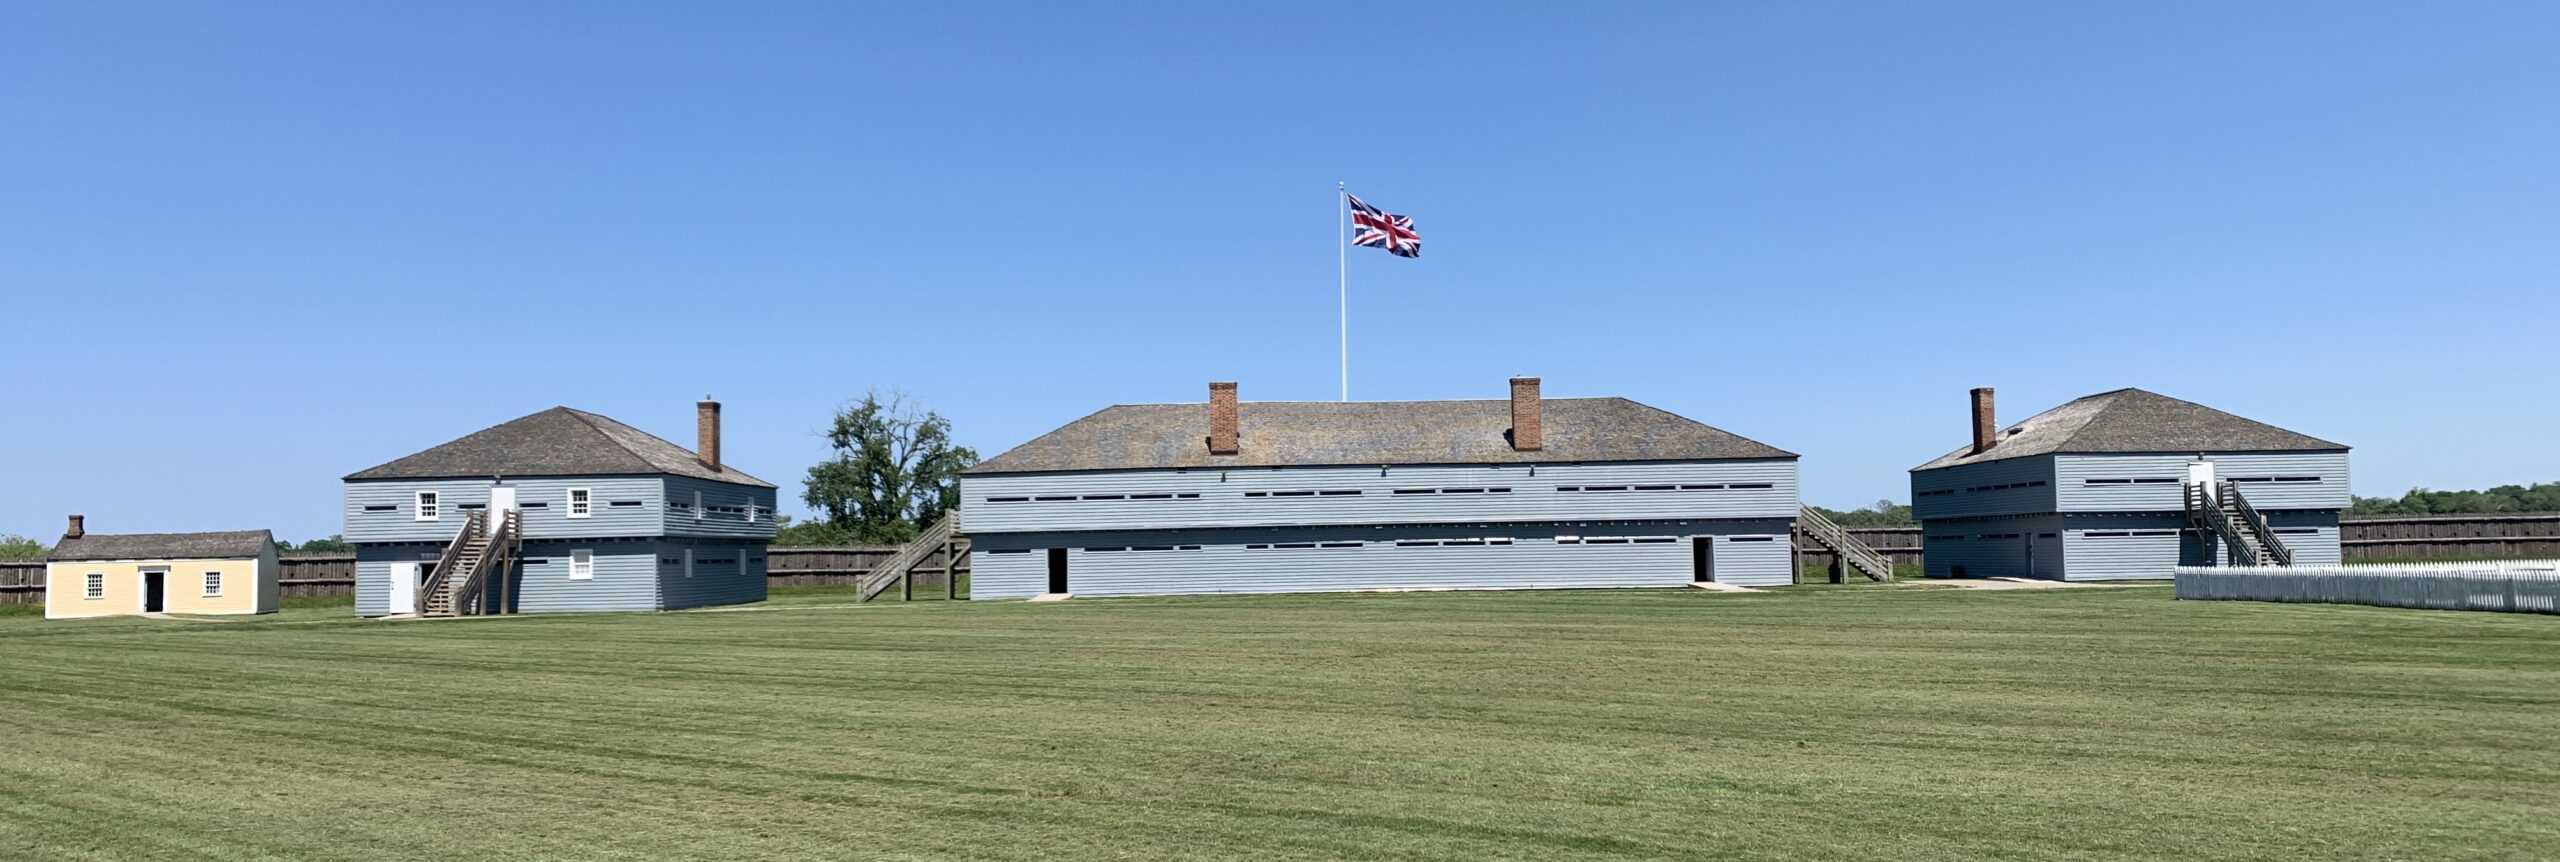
(2507, 536)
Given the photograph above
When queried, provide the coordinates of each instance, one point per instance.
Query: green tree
(2538, 497)
(334, 544)
(1883, 513)
(893, 473)
(17, 547)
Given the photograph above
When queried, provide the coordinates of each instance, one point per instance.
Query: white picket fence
(2521, 586)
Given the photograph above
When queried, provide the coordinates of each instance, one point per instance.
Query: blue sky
(250, 249)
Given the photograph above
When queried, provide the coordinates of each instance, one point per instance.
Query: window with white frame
(213, 585)
(751, 507)
(697, 509)
(582, 565)
(97, 587)
(581, 503)
(428, 507)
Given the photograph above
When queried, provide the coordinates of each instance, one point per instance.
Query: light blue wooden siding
(1222, 500)
(724, 573)
(2016, 486)
(2312, 536)
(2024, 547)
(373, 572)
(2073, 472)
(626, 578)
(549, 520)
(680, 518)
(2132, 547)
(1015, 565)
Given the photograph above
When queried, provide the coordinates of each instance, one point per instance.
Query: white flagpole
(1342, 255)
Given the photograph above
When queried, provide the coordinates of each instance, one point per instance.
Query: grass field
(1813, 723)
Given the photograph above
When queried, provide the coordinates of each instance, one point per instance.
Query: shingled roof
(2134, 421)
(1309, 433)
(555, 442)
(238, 544)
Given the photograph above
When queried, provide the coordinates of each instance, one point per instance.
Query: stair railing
(2208, 515)
(495, 556)
(472, 525)
(890, 570)
(1852, 552)
(2257, 524)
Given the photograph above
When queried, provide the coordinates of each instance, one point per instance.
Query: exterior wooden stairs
(1850, 553)
(2226, 515)
(943, 536)
(457, 585)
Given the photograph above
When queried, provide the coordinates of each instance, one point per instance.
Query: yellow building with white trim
(108, 574)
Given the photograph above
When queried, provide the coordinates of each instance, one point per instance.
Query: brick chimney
(1528, 416)
(1222, 417)
(1986, 428)
(706, 433)
(77, 529)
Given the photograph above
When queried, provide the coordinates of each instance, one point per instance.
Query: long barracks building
(1269, 497)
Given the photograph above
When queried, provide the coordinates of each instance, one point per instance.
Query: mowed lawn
(1814, 723)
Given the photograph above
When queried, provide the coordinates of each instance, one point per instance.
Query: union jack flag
(1383, 229)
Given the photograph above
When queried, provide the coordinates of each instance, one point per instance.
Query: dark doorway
(1702, 559)
(153, 583)
(1058, 570)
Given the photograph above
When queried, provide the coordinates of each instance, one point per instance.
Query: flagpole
(1342, 260)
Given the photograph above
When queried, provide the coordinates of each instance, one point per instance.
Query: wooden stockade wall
(2507, 536)
(22, 581)
(2428, 537)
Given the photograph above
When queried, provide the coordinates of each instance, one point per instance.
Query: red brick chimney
(1986, 429)
(77, 529)
(1528, 416)
(706, 432)
(1222, 418)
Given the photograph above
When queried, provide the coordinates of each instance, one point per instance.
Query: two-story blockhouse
(1269, 497)
(2124, 485)
(563, 510)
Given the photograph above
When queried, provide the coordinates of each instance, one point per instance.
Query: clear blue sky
(247, 249)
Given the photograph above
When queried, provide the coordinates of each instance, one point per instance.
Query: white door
(2200, 475)
(502, 499)
(404, 588)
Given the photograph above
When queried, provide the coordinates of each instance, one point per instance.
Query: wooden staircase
(1812, 526)
(456, 587)
(943, 536)
(2226, 515)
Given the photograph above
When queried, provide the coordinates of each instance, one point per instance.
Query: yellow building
(100, 575)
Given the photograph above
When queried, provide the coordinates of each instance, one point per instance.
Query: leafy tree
(17, 547)
(2538, 497)
(893, 473)
(334, 544)
(808, 534)
(1883, 513)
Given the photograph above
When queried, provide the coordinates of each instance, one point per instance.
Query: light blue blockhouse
(2099, 489)
(611, 518)
(1272, 497)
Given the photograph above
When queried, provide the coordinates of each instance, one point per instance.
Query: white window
(582, 565)
(428, 510)
(688, 561)
(581, 503)
(751, 507)
(97, 586)
(212, 585)
(697, 506)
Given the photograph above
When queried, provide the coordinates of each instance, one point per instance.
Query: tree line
(2537, 497)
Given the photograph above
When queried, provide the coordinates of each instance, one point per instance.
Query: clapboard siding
(2132, 546)
(1014, 565)
(2075, 493)
(1222, 500)
(724, 573)
(548, 520)
(373, 572)
(626, 578)
(2001, 547)
(2319, 546)
(2017, 486)
(715, 521)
